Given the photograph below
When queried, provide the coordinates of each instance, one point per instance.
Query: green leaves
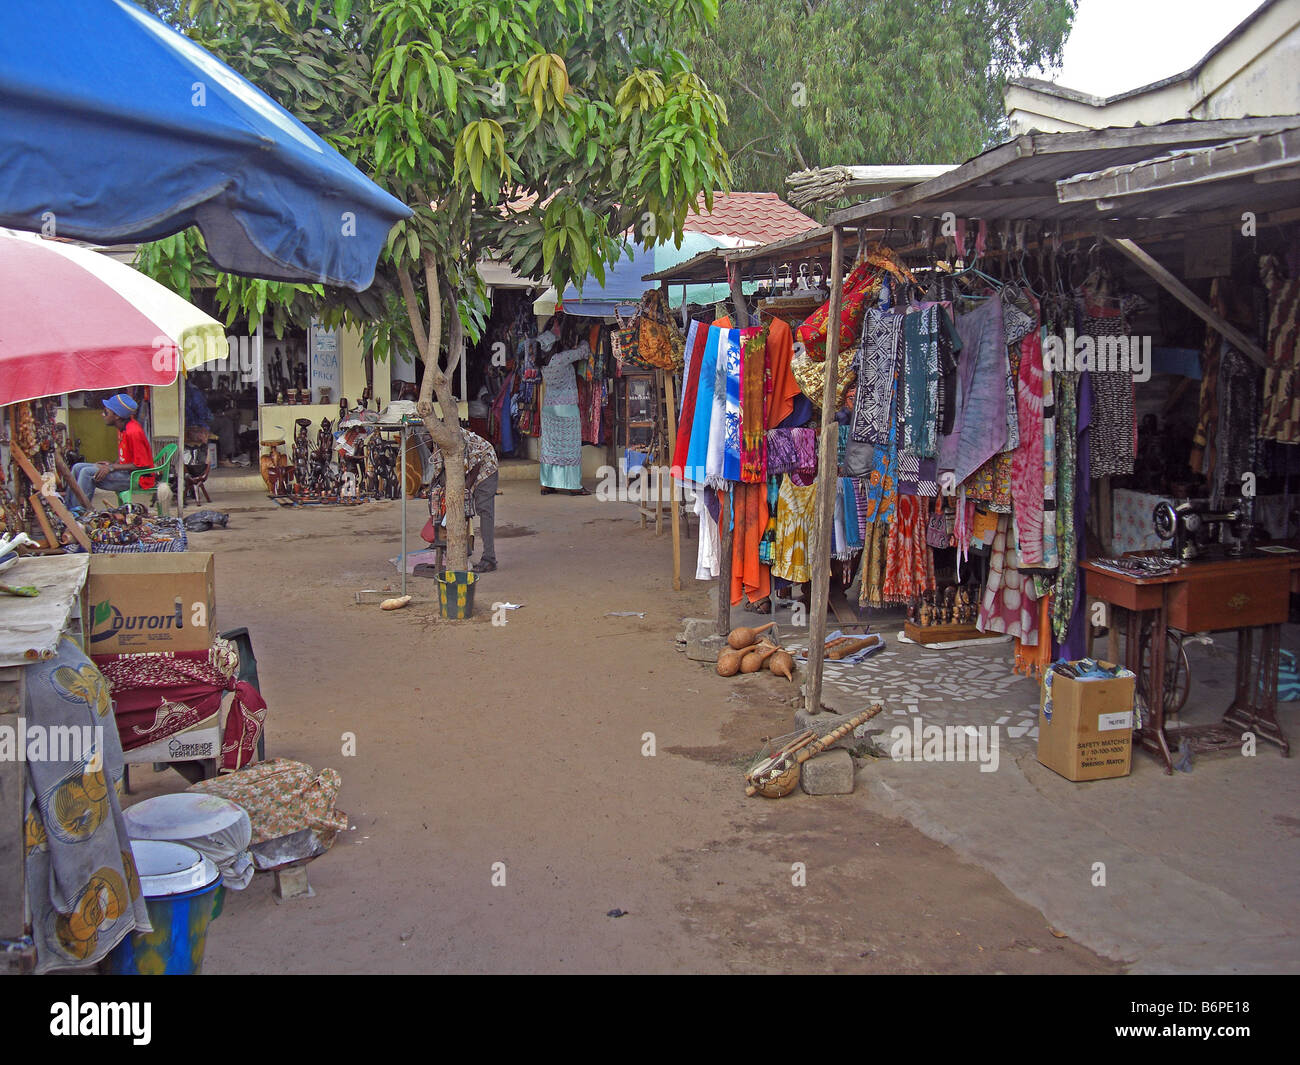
(481, 150)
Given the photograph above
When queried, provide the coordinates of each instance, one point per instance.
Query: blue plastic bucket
(182, 899)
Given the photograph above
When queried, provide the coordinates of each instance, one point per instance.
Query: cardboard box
(1090, 733)
(163, 601)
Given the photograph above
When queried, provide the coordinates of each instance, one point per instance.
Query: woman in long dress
(561, 424)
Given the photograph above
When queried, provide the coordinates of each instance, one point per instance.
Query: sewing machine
(1198, 532)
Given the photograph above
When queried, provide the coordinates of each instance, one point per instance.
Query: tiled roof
(758, 216)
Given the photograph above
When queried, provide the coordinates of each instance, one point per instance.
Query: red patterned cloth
(159, 694)
(909, 562)
(852, 307)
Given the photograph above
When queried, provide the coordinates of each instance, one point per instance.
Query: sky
(1117, 45)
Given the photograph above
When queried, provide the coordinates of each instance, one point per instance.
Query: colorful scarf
(909, 562)
(696, 339)
(749, 576)
(695, 472)
(753, 453)
(1027, 460)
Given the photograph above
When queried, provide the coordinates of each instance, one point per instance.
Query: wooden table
(1250, 595)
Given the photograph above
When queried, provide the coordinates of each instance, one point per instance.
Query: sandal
(549, 491)
(763, 606)
(579, 492)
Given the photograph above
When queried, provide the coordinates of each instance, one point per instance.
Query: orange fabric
(749, 577)
(780, 350)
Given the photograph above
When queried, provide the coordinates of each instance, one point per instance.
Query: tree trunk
(444, 430)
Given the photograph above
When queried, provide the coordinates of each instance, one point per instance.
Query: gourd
(746, 637)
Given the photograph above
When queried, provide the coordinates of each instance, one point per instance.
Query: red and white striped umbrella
(72, 318)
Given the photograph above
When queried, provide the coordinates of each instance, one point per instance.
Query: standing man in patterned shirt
(480, 482)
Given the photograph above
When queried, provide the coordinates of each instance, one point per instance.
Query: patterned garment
(1019, 319)
(792, 451)
(882, 482)
(480, 460)
(811, 376)
(979, 428)
(1281, 419)
(731, 454)
(1009, 604)
(561, 451)
(1027, 460)
(754, 400)
(1051, 557)
(917, 476)
(1237, 445)
(909, 562)
(879, 360)
(82, 888)
(715, 464)
(281, 797)
(560, 377)
(1067, 415)
(871, 572)
(158, 694)
(561, 446)
(1115, 444)
(991, 483)
(794, 517)
(858, 288)
(695, 471)
(696, 338)
(930, 344)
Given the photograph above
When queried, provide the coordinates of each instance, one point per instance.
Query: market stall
(966, 430)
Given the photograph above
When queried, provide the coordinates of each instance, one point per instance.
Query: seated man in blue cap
(133, 452)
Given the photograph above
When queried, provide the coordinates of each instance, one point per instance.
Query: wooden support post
(1188, 298)
(724, 569)
(827, 480)
(672, 484)
(66, 474)
(51, 499)
(740, 313)
(46, 528)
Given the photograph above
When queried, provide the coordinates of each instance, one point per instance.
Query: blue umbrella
(115, 128)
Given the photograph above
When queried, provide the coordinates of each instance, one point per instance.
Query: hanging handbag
(660, 344)
(626, 343)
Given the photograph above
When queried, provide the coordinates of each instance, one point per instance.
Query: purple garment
(792, 451)
(1076, 636)
(979, 428)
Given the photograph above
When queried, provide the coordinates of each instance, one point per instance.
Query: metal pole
(180, 434)
(403, 483)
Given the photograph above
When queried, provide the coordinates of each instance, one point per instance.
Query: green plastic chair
(162, 466)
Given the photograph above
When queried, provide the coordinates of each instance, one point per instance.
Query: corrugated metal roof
(1257, 174)
(1017, 180)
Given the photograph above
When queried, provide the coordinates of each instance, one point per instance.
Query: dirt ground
(523, 744)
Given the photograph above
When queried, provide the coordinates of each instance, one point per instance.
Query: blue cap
(122, 405)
